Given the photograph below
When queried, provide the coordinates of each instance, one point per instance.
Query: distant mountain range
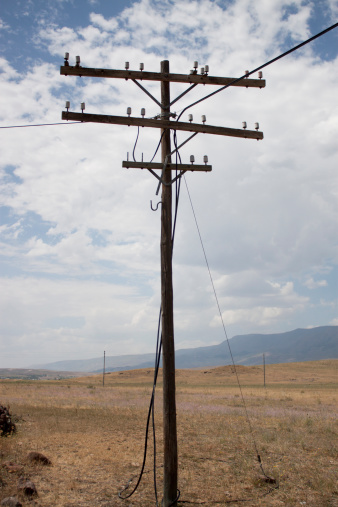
(293, 346)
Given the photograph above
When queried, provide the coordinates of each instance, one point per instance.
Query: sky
(79, 244)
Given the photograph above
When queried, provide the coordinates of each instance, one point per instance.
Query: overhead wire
(233, 82)
(273, 60)
(289, 51)
(159, 336)
(40, 125)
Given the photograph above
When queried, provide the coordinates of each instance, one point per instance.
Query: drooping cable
(177, 187)
(151, 410)
(157, 360)
(138, 133)
(159, 144)
(157, 366)
(152, 399)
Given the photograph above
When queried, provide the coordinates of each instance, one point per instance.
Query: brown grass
(94, 436)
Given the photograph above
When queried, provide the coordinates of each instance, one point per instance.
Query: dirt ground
(95, 436)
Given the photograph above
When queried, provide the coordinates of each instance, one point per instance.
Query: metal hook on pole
(151, 205)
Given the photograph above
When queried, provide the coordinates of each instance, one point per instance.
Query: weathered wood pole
(169, 388)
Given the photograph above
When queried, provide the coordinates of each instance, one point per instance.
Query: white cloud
(105, 314)
(252, 301)
(267, 212)
(3, 25)
(310, 283)
(333, 5)
(256, 316)
(108, 25)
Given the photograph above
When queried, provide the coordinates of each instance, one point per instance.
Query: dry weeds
(94, 437)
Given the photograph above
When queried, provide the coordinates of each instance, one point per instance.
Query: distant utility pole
(264, 367)
(164, 121)
(104, 367)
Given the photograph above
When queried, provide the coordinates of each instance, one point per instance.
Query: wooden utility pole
(166, 124)
(168, 347)
(264, 367)
(104, 367)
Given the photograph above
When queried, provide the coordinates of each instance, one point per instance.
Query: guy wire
(225, 332)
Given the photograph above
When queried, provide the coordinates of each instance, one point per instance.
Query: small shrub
(7, 426)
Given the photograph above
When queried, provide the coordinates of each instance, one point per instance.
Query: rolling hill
(293, 346)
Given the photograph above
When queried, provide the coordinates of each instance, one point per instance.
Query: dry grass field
(94, 437)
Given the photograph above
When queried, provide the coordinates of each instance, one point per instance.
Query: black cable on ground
(159, 342)
(151, 410)
(157, 366)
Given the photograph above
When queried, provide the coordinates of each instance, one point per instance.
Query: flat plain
(94, 436)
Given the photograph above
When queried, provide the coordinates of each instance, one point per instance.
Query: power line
(289, 51)
(39, 125)
(295, 48)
